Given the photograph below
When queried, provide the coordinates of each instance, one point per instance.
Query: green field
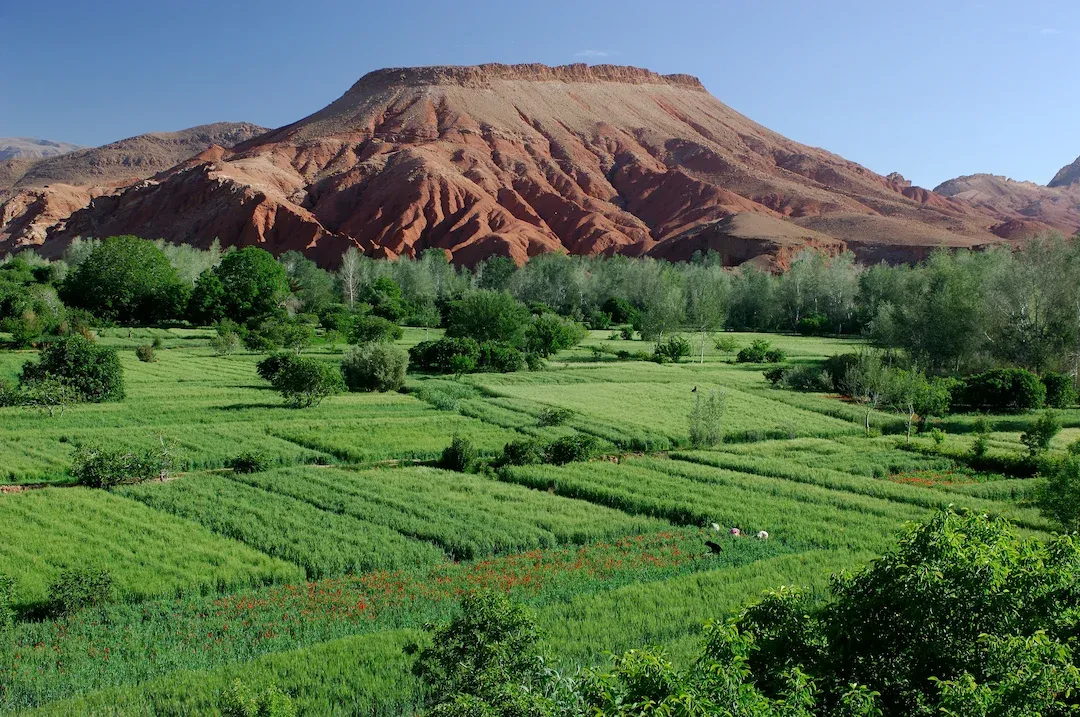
(314, 574)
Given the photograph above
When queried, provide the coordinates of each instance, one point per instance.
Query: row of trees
(957, 311)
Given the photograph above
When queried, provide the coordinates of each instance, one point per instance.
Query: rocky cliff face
(39, 195)
(516, 160)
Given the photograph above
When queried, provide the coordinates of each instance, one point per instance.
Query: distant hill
(27, 148)
(39, 195)
(516, 160)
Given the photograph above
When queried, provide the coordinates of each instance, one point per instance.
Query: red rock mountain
(39, 194)
(1025, 208)
(517, 160)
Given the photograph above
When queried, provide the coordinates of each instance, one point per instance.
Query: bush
(621, 311)
(146, 353)
(7, 601)
(1058, 493)
(459, 456)
(249, 462)
(497, 357)
(439, 356)
(92, 371)
(305, 381)
(97, 467)
(814, 324)
(802, 377)
(227, 340)
(1003, 390)
(548, 334)
(760, 351)
(374, 367)
(598, 320)
(775, 375)
(48, 394)
(80, 588)
(374, 329)
(240, 700)
(1060, 390)
(980, 445)
(1038, 437)
(627, 333)
(707, 420)
(838, 366)
(489, 316)
(533, 362)
(726, 344)
(554, 416)
(272, 365)
(673, 349)
(522, 453)
(568, 449)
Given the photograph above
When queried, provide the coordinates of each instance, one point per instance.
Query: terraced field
(314, 574)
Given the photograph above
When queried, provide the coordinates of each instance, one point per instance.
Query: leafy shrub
(522, 453)
(775, 375)
(980, 445)
(305, 381)
(497, 357)
(627, 333)
(568, 449)
(673, 348)
(1060, 390)
(92, 371)
(79, 588)
(726, 344)
(249, 462)
(550, 333)
(272, 365)
(937, 436)
(1038, 437)
(621, 311)
(802, 377)
(485, 662)
(838, 366)
(707, 420)
(533, 362)
(228, 341)
(598, 320)
(814, 324)
(554, 416)
(240, 700)
(1003, 390)
(146, 353)
(759, 351)
(97, 467)
(374, 367)
(7, 601)
(459, 456)
(47, 394)
(439, 356)
(489, 316)
(374, 329)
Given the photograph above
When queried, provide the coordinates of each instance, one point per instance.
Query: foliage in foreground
(302, 381)
(240, 700)
(99, 467)
(960, 618)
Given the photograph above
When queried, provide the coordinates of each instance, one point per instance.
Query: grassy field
(314, 574)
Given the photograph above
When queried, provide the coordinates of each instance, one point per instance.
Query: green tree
(489, 316)
(495, 274)
(374, 367)
(485, 661)
(1058, 493)
(128, 280)
(867, 382)
(253, 284)
(313, 287)
(548, 333)
(93, 372)
(384, 296)
(305, 381)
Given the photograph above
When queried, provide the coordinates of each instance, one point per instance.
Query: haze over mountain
(517, 160)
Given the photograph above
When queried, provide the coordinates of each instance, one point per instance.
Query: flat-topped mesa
(484, 75)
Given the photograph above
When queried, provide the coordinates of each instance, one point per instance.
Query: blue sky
(931, 89)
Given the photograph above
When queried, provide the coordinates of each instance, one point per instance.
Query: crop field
(315, 572)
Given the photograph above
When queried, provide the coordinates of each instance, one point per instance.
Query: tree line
(959, 311)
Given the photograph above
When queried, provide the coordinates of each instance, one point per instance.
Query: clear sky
(929, 88)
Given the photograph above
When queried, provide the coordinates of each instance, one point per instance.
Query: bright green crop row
(323, 543)
(700, 495)
(43, 532)
(466, 515)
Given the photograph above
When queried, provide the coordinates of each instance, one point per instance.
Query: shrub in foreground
(522, 453)
(92, 371)
(146, 353)
(305, 381)
(760, 351)
(374, 329)
(459, 456)
(99, 467)
(241, 700)
(1003, 390)
(1060, 390)
(249, 462)
(80, 588)
(374, 367)
(554, 416)
(569, 449)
